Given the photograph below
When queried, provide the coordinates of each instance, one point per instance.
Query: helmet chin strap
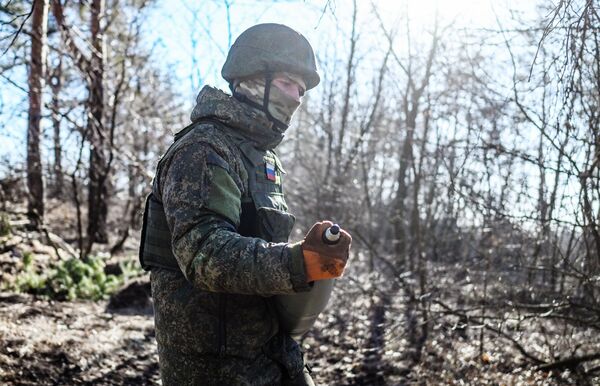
(277, 124)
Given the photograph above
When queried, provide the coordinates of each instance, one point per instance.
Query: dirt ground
(74, 343)
(83, 343)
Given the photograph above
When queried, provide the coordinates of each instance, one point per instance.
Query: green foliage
(131, 268)
(78, 279)
(5, 227)
(29, 280)
(74, 279)
(27, 259)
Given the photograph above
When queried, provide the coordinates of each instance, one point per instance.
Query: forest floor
(83, 343)
(46, 342)
(371, 334)
(72, 343)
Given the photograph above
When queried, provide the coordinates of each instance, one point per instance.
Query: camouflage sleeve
(202, 203)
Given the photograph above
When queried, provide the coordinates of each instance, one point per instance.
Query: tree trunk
(35, 184)
(98, 166)
(55, 81)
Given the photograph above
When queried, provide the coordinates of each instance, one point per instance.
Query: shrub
(74, 279)
(5, 227)
(29, 280)
(79, 279)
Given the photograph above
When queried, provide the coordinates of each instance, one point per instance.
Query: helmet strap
(244, 99)
(279, 125)
(267, 93)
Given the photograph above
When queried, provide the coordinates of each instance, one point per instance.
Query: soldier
(216, 225)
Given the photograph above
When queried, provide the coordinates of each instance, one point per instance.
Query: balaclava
(261, 94)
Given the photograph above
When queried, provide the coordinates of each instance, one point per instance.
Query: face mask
(281, 106)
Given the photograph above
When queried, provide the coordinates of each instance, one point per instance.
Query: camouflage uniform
(228, 226)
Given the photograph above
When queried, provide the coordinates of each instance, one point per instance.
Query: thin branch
(568, 363)
(20, 29)
(517, 345)
(14, 83)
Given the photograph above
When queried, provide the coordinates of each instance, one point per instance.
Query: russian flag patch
(270, 171)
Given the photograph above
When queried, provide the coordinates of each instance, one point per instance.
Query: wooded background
(465, 162)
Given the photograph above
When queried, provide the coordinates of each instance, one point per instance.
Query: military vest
(264, 210)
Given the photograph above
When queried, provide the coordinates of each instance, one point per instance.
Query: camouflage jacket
(220, 185)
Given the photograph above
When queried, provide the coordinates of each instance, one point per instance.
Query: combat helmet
(269, 48)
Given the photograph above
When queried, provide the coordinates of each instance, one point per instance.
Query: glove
(324, 261)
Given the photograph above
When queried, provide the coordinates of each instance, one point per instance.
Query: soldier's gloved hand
(322, 260)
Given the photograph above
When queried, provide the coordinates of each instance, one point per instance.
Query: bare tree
(100, 141)
(55, 79)
(35, 184)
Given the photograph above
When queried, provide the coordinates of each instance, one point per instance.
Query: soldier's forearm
(218, 259)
